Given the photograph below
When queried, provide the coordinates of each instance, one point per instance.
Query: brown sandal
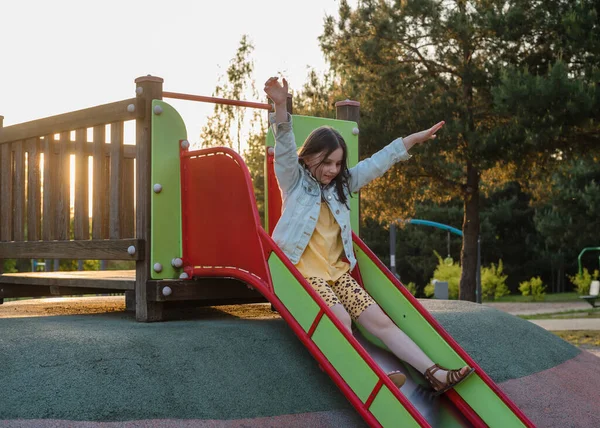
(397, 377)
(453, 378)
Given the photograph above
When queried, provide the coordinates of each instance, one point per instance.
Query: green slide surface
(484, 401)
(356, 373)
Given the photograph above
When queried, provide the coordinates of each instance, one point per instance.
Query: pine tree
(515, 81)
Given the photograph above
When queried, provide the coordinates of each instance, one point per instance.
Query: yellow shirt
(321, 257)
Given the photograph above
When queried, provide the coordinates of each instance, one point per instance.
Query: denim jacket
(302, 193)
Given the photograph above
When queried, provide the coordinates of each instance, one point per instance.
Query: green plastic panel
(474, 391)
(291, 293)
(338, 351)
(168, 129)
(303, 126)
(348, 363)
(390, 412)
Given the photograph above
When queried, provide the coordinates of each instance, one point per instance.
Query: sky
(64, 55)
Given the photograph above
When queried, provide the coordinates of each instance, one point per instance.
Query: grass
(585, 338)
(554, 297)
(585, 313)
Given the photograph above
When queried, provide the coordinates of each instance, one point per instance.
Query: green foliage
(534, 287)
(493, 282)
(229, 124)
(71, 265)
(412, 288)
(515, 82)
(583, 281)
(254, 157)
(9, 265)
(448, 273)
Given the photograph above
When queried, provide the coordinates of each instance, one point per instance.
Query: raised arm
(374, 167)
(286, 155)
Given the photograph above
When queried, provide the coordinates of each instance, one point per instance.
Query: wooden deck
(112, 279)
(211, 290)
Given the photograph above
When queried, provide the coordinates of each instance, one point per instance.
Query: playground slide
(221, 235)
(358, 362)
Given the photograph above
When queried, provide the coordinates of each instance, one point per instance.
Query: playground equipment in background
(595, 285)
(442, 226)
(197, 218)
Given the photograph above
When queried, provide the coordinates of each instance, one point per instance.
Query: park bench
(593, 296)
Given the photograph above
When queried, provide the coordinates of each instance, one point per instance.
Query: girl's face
(326, 169)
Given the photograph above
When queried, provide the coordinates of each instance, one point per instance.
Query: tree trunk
(470, 229)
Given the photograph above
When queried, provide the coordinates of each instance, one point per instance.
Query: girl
(314, 229)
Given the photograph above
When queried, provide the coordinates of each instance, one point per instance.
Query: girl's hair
(322, 142)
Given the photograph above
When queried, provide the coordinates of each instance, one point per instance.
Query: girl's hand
(423, 136)
(276, 91)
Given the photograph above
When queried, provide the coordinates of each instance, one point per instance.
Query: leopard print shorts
(345, 291)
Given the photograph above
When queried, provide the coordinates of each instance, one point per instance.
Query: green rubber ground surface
(107, 367)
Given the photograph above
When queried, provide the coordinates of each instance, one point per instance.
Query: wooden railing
(36, 182)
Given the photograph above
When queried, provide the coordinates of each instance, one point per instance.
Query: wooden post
(148, 88)
(348, 110)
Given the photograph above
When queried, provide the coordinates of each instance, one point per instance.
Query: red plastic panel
(220, 219)
(274, 193)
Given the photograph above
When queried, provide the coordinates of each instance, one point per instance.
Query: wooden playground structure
(37, 223)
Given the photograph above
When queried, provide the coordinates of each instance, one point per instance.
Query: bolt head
(158, 267)
(158, 110)
(184, 276)
(177, 262)
(355, 131)
(166, 291)
(185, 144)
(139, 90)
(131, 108)
(157, 188)
(131, 250)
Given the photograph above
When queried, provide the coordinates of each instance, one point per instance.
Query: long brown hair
(322, 142)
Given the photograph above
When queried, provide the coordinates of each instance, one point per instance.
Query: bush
(493, 282)
(534, 288)
(9, 265)
(412, 288)
(447, 273)
(583, 281)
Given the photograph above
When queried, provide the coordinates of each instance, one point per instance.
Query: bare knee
(375, 320)
(343, 315)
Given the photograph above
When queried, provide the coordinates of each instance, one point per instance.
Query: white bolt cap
(166, 291)
(158, 110)
(184, 276)
(185, 144)
(355, 131)
(131, 250)
(176, 262)
(139, 90)
(157, 267)
(157, 188)
(131, 108)
(271, 150)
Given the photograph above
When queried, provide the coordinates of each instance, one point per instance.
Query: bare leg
(341, 313)
(376, 322)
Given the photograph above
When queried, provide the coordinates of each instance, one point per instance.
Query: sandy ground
(105, 304)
